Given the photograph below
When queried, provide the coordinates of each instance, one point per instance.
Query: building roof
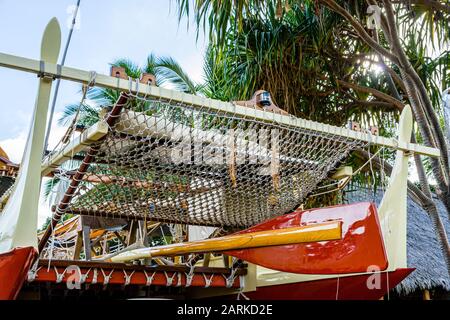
(423, 251)
(3, 154)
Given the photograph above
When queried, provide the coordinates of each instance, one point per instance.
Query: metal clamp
(46, 75)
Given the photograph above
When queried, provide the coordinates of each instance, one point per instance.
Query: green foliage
(301, 52)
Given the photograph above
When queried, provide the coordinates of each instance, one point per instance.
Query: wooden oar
(266, 238)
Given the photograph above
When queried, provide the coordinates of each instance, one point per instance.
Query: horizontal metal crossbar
(82, 76)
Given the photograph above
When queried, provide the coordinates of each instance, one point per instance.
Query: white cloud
(14, 147)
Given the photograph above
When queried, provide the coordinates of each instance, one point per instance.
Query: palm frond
(169, 72)
(131, 69)
(87, 114)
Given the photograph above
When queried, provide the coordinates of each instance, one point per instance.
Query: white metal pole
(18, 221)
(58, 81)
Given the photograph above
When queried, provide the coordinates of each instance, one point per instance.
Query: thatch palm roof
(423, 249)
(424, 253)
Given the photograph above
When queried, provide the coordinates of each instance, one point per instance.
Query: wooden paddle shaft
(293, 235)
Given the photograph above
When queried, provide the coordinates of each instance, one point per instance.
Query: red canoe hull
(14, 266)
(361, 245)
(344, 288)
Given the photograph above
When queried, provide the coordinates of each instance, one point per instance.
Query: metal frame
(82, 76)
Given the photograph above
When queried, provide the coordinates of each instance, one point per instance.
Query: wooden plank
(138, 278)
(162, 268)
(206, 259)
(87, 242)
(78, 245)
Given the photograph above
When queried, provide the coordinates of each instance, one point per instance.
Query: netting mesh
(172, 162)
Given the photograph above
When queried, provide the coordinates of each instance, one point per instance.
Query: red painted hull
(346, 288)
(14, 266)
(361, 245)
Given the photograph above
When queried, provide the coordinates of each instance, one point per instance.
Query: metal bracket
(47, 75)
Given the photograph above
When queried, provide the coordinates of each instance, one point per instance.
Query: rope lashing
(127, 277)
(83, 277)
(106, 277)
(32, 273)
(169, 280)
(209, 280)
(190, 276)
(59, 276)
(95, 276)
(149, 279)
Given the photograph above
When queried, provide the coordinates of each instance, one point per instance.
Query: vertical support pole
(143, 232)
(393, 208)
(131, 238)
(18, 222)
(87, 242)
(206, 259)
(78, 246)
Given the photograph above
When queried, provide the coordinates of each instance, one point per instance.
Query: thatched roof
(424, 253)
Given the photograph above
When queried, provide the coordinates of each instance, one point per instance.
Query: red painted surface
(137, 278)
(361, 245)
(14, 266)
(346, 288)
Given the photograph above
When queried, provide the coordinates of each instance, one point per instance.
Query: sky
(107, 30)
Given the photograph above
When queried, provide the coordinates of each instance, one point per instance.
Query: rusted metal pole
(111, 118)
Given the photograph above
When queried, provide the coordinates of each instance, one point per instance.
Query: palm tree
(248, 39)
(167, 71)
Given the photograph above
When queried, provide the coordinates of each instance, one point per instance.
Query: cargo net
(170, 162)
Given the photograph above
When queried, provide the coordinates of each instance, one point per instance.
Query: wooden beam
(120, 238)
(78, 177)
(112, 265)
(82, 76)
(123, 215)
(131, 238)
(87, 242)
(80, 143)
(78, 245)
(342, 172)
(206, 259)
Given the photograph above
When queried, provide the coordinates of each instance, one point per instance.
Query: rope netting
(173, 162)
